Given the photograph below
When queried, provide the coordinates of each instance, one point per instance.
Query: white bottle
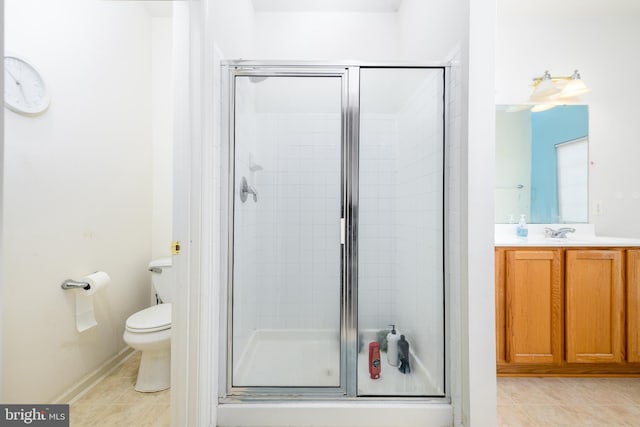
(392, 346)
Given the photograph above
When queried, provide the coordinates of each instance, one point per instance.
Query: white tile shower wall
(298, 212)
(377, 226)
(419, 225)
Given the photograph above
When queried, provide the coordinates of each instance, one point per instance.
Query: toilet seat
(153, 319)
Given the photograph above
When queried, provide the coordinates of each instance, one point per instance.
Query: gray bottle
(403, 355)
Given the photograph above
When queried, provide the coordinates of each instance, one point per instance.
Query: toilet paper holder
(74, 284)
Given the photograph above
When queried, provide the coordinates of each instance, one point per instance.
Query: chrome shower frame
(350, 114)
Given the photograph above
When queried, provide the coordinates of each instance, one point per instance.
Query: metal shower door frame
(348, 336)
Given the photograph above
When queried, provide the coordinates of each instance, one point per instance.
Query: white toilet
(149, 331)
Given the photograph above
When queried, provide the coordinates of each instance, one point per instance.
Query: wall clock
(24, 89)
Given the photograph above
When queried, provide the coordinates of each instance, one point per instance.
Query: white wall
(162, 136)
(232, 27)
(78, 189)
(432, 30)
(477, 171)
(418, 31)
(601, 46)
(326, 36)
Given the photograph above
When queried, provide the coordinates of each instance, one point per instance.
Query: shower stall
(336, 230)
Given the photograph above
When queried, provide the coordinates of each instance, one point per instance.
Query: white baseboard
(77, 390)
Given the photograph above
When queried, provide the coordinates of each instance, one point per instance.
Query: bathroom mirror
(542, 164)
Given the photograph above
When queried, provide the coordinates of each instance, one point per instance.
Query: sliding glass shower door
(336, 231)
(286, 231)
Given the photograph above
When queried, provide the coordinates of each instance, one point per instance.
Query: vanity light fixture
(549, 91)
(548, 88)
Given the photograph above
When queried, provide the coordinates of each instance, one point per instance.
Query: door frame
(231, 70)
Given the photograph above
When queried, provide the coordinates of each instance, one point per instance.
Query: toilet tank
(162, 278)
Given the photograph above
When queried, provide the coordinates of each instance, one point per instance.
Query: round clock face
(24, 89)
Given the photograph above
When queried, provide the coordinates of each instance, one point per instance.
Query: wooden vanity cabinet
(568, 311)
(633, 305)
(594, 286)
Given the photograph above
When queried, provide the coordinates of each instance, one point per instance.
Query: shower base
(311, 358)
(392, 382)
(290, 358)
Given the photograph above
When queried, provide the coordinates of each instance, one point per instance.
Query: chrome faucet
(560, 233)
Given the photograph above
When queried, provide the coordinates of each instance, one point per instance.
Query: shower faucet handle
(246, 189)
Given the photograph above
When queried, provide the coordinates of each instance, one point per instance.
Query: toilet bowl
(149, 331)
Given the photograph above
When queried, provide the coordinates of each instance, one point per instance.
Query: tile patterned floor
(537, 402)
(522, 402)
(114, 402)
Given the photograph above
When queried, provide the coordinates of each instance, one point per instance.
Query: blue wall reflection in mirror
(549, 129)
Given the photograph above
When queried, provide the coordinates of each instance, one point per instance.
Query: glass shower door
(400, 231)
(286, 252)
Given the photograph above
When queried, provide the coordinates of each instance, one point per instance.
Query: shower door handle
(343, 231)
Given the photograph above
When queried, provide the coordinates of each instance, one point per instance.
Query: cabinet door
(594, 309)
(633, 305)
(534, 306)
(501, 354)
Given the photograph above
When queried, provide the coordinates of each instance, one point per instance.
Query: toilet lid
(152, 319)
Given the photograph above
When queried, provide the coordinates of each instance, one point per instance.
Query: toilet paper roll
(85, 315)
(96, 281)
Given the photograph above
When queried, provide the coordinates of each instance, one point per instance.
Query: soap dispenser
(392, 346)
(522, 230)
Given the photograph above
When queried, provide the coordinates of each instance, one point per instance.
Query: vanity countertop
(584, 236)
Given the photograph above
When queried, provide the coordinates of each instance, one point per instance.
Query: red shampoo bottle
(374, 360)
